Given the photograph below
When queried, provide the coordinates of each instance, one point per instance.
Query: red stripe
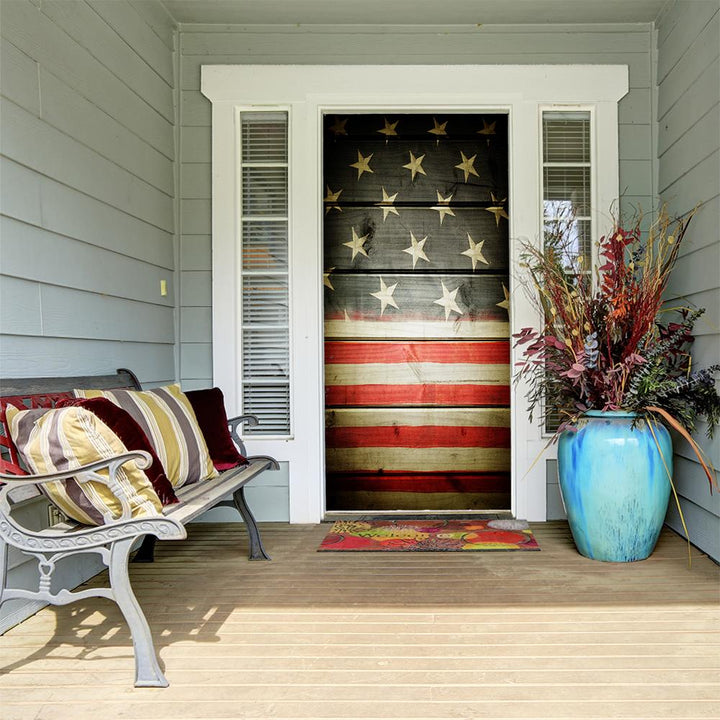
(495, 353)
(424, 436)
(409, 395)
(420, 482)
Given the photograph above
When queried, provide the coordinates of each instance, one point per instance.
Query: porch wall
(207, 44)
(87, 191)
(688, 151)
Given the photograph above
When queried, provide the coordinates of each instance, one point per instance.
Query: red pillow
(132, 437)
(209, 407)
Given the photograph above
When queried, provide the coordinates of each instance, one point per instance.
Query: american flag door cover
(417, 352)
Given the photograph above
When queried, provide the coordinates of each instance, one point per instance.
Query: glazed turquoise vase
(614, 484)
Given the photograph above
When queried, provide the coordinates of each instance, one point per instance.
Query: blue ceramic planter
(614, 484)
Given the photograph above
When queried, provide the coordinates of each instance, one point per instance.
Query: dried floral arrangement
(606, 343)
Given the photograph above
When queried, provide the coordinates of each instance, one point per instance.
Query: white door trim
(307, 92)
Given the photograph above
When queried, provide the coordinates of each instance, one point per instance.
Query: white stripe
(418, 459)
(452, 417)
(420, 330)
(420, 373)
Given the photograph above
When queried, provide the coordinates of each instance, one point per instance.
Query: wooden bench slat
(200, 496)
(65, 539)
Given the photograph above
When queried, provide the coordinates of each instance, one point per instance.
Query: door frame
(309, 92)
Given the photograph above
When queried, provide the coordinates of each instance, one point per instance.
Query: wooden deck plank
(383, 635)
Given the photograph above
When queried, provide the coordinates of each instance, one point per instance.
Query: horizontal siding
(87, 151)
(688, 71)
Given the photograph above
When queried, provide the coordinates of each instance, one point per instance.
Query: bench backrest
(45, 393)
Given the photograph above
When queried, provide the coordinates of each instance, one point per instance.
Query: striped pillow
(65, 438)
(168, 420)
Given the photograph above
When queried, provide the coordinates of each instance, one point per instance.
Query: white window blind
(264, 271)
(567, 190)
(567, 194)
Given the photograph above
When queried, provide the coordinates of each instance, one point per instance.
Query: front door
(416, 258)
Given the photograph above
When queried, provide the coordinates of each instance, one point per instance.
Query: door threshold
(333, 515)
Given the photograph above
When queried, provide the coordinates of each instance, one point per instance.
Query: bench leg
(147, 668)
(257, 552)
(146, 551)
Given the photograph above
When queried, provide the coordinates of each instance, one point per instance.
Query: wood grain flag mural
(417, 352)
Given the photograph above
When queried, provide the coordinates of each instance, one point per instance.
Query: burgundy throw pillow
(209, 407)
(132, 436)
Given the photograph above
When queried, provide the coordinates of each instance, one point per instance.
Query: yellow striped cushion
(168, 420)
(66, 438)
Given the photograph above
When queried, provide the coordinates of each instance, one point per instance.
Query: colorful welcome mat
(429, 535)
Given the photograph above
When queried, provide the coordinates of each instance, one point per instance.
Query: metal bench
(114, 541)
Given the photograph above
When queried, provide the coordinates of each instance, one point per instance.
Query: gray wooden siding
(688, 151)
(87, 164)
(87, 202)
(207, 44)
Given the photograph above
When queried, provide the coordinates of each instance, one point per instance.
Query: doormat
(428, 536)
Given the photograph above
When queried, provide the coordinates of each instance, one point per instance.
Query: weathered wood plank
(368, 417)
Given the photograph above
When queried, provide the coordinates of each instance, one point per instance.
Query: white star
(415, 166)
(438, 128)
(448, 301)
(387, 204)
(356, 244)
(326, 279)
(389, 128)
(331, 199)
(444, 206)
(505, 304)
(467, 166)
(362, 164)
(475, 252)
(384, 295)
(416, 249)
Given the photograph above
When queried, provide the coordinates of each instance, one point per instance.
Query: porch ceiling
(382, 635)
(413, 12)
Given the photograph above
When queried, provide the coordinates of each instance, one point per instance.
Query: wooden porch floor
(340, 635)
